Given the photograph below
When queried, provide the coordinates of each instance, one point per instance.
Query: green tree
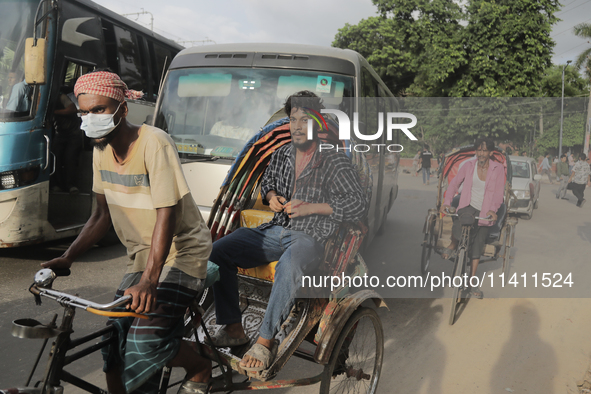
(483, 48)
(508, 47)
(574, 84)
(583, 30)
(414, 45)
(435, 48)
(387, 45)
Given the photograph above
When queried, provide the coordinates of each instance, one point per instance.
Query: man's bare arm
(144, 293)
(94, 230)
(297, 208)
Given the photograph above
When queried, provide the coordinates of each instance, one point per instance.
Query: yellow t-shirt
(151, 177)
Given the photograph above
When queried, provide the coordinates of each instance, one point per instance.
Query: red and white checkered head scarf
(103, 83)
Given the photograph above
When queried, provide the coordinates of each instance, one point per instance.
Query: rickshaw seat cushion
(253, 218)
(264, 272)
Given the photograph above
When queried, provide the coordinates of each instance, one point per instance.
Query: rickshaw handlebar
(77, 302)
(43, 281)
(453, 213)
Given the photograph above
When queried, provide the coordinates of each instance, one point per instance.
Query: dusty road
(497, 345)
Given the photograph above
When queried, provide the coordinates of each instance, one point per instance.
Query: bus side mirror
(35, 55)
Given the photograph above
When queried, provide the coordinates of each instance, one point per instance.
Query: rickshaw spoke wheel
(457, 291)
(428, 244)
(507, 251)
(356, 360)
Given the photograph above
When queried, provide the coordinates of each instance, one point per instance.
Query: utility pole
(562, 109)
(143, 13)
(588, 129)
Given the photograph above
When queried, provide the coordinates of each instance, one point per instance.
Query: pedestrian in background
(571, 162)
(562, 173)
(579, 178)
(546, 168)
(426, 157)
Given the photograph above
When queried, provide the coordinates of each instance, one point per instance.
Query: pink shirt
(494, 188)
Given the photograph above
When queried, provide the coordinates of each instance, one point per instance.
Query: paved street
(497, 345)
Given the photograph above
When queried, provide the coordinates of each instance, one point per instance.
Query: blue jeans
(426, 174)
(297, 254)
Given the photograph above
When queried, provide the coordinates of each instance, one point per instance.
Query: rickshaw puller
(483, 182)
(141, 190)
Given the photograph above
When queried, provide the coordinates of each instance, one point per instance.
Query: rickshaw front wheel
(356, 361)
(428, 245)
(459, 269)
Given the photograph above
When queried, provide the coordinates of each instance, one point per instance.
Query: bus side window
(129, 59)
(110, 46)
(146, 69)
(74, 71)
(388, 104)
(161, 58)
(368, 104)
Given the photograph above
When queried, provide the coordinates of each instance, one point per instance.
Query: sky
(303, 22)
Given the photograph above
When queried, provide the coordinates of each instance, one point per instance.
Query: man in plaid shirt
(311, 193)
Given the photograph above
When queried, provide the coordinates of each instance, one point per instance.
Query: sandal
(190, 387)
(451, 254)
(475, 292)
(222, 339)
(262, 354)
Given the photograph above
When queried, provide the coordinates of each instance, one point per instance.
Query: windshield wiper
(192, 157)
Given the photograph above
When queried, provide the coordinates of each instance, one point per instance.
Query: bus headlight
(18, 178)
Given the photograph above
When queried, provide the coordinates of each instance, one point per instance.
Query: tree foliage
(574, 84)
(436, 48)
(477, 48)
(583, 30)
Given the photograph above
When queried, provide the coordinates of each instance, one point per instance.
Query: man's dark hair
(563, 155)
(583, 157)
(101, 69)
(304, 99)
(490, 145)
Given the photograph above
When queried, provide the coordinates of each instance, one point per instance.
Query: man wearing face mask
(141, 190)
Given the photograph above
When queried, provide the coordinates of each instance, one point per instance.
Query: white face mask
(99, 125)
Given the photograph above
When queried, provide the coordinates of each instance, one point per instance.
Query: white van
(216, 97)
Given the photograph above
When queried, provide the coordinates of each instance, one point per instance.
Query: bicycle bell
(44, 277)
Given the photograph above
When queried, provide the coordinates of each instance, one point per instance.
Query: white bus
(216, 97)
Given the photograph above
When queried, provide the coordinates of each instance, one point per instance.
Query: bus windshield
(16, 24)
(214, 111)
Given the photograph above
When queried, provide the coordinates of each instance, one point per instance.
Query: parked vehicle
(525, 186)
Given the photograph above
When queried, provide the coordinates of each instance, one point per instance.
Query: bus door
(70, 192)
(80, 48)
(368, 125)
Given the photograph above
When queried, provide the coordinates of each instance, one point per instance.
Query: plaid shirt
(328, 178)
